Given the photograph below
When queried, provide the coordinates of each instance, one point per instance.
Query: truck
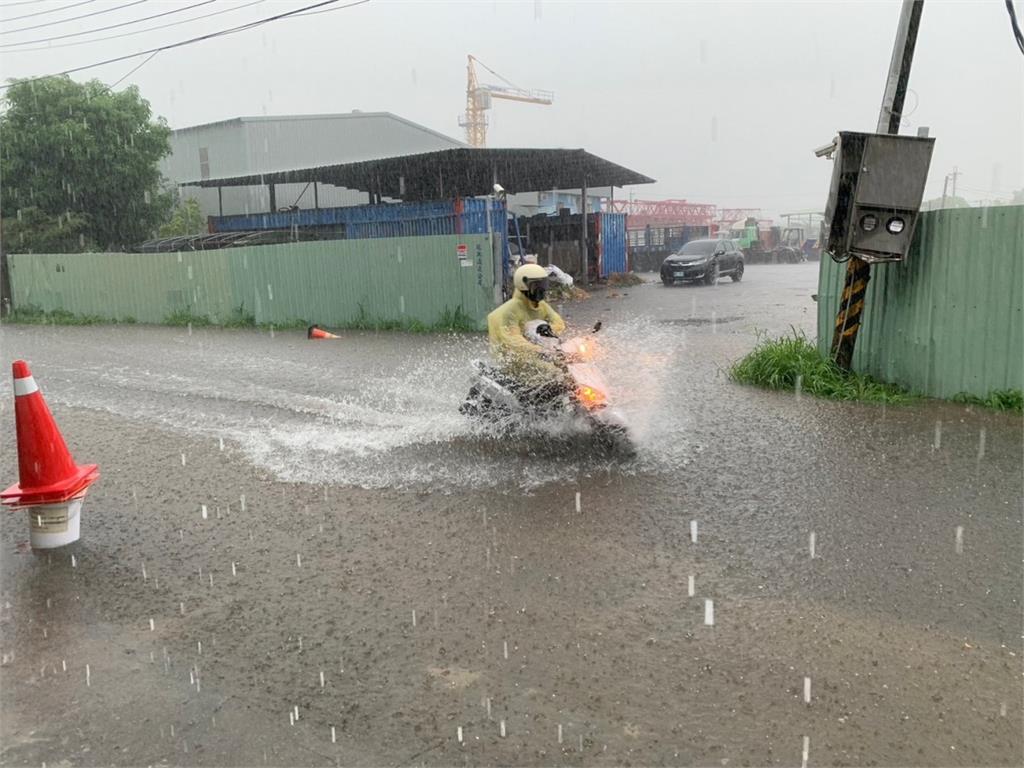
(765, 243)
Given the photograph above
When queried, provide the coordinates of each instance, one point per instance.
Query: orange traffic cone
(316, 332)
(47, 473)
(51, 486)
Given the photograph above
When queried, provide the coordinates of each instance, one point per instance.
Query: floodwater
(421, 591)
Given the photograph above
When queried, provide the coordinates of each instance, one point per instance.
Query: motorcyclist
(528, 363)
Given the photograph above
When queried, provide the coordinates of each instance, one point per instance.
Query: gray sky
(720, 102)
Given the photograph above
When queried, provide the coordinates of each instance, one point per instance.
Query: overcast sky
(720, 102)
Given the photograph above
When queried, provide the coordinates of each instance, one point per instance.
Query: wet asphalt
(400, 578)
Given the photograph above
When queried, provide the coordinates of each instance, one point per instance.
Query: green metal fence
(948, 319)
(333, 283)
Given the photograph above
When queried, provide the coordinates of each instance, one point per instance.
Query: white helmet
(532, 280)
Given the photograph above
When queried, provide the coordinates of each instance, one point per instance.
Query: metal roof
(218, 240)
(355, 114)
(454, 173)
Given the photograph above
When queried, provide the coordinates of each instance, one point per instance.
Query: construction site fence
(388, 281)
(460, 216)
(949, 319)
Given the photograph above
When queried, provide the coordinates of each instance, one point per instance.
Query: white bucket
(54, 525)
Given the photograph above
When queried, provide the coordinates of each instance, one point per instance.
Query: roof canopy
(452, 173)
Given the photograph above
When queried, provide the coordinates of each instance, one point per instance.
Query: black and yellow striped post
(851, 307)
(858, 272)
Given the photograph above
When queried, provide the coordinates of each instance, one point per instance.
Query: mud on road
(398, 577)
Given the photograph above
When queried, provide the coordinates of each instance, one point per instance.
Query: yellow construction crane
(478, 101)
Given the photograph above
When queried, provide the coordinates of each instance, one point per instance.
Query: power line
(132, 71)
(110, 26)
(43, 13)
(326, 10)
(73, 18)
(1017, 35)
(23, 2)
(189, 41)
(142, 31)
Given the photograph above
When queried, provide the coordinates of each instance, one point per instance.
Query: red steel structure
(732, 215)
(660, 213)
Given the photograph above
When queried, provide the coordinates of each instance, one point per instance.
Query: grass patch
(285, 325)
(998, 400)
(780, 363)
(182, 317)
(455, 320)
(240, 318)
(450, 320)
(33, 315)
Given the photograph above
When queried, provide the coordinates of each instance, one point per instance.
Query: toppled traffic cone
(316, 332)
(51, 486)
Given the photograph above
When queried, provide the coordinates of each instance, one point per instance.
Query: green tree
(84, 151)
(33, 231)
(186, 219)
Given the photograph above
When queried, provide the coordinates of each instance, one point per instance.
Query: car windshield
(698, 248)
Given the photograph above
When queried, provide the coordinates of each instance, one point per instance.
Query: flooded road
(419, 590)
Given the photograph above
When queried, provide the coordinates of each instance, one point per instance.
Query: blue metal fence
(444, 217)
(613, 243)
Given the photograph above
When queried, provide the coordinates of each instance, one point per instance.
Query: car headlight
(869, 222)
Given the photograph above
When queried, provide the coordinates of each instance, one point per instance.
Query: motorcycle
(500, 399)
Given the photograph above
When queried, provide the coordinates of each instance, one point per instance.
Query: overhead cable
(41, 13)
(72, 18)
(109, 26)
(138, 31)
(1017, 35)
(190, 41)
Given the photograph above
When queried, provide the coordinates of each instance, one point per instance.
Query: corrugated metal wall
(948, 319)
(613, 243)
(329, 282)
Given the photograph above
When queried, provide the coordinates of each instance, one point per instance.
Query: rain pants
(516, 355)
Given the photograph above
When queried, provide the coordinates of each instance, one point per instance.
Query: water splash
(394, 422)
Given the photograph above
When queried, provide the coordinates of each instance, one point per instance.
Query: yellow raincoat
(520, 357)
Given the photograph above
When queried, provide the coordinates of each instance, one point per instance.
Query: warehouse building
(247, 146)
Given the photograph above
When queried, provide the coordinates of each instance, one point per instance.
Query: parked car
(703, 261)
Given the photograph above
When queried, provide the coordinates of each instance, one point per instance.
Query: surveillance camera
(499, 190)
(828, 150)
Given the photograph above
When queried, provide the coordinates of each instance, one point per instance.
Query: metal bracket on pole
(858, 272)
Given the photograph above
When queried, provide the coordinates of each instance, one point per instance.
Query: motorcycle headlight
(590, 397)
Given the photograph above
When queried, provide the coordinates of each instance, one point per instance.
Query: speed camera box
(877, 185)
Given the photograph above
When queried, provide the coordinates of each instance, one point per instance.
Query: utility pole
(584, 249)
(858, 272)
(945, 186)
(954, 174)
